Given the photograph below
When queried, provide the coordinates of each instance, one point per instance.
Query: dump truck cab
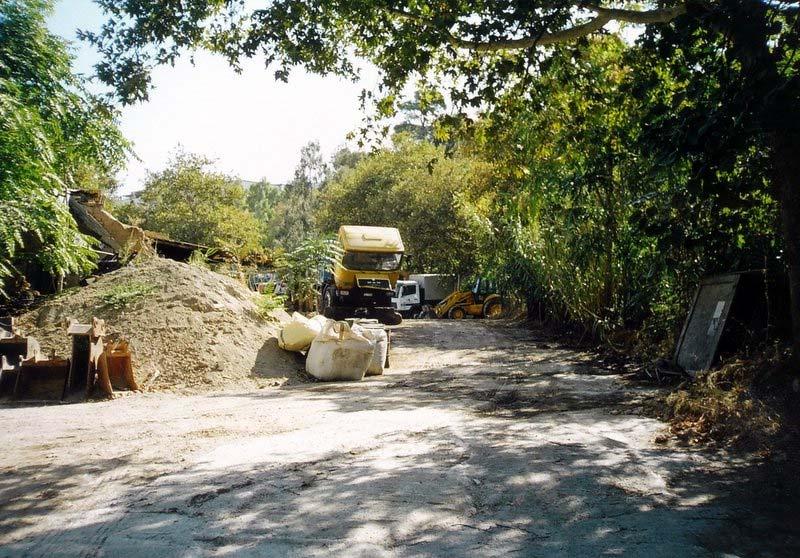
(363, 277)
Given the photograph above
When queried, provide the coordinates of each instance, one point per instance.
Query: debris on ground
(741, 404)
(189, 328)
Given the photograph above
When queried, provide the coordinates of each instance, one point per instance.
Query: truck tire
(390, 317)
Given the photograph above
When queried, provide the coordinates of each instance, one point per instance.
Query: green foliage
(53, 136)
(420, 114)
(594, 226)
(293, 218)
(268, 301)
(413, 186)
(187, 201)
(121, 296)
(301, 267)
(574, 182)
(262, 201)
(404, 39)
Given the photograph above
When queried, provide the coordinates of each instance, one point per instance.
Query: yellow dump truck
(362, 278)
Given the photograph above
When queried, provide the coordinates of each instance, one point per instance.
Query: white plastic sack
(381, 339)
(339, 353)
(298, 334)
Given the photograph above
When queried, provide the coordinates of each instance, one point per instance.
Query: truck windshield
(371, 261)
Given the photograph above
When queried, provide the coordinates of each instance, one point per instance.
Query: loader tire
(456, 313)
(493, 309)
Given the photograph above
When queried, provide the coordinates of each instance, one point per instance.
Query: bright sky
(253, 125)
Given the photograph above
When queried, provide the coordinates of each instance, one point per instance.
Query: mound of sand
(190, 328)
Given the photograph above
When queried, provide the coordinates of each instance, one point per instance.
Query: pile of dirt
(190, 328)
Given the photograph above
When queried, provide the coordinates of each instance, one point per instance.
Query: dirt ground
(482, 439)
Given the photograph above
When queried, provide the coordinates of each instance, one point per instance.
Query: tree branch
(602, 17)
(646, 17)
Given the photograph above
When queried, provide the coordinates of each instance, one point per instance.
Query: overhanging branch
(644, 17)
(596, 23)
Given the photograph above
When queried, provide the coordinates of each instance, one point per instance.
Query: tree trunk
(786, 164)
(610, 204)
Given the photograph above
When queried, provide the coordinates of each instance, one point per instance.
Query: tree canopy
(54, 135)
(400, 37)
(414, 187)
(190, 202)
(733, 63)
(293, 219)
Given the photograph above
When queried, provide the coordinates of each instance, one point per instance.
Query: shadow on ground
(490, 457)
(474, 491)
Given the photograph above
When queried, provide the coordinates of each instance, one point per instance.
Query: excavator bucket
(98, 366)
(120, 369)
(89, 365)
(41, 378)
(8, 376)
(95, 366)
(14, 349)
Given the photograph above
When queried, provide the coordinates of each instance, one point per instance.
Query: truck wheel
(492, 309)
(390, 317)
(337, 313)
(456, 313)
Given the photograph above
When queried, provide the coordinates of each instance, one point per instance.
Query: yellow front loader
(481, 302)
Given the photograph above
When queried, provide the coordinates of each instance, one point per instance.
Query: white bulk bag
(339, 353)
(381, 339)
(298, 334)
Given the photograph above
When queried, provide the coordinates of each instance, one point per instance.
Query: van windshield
(371, 261)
